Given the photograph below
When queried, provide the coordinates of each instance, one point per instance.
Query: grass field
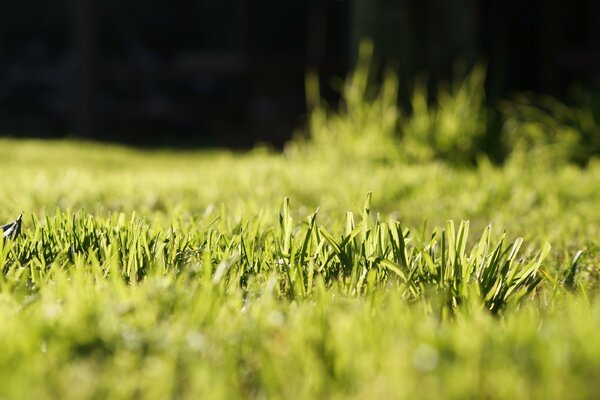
(343, 268)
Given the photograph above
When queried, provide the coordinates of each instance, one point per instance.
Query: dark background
(231, 72)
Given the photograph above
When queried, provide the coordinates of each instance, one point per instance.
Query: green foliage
(371, 125)
(173, 275)
(366, 127)
(455, 125)
(550, 129)
(183, 337)
(453, 128)
(365, 258)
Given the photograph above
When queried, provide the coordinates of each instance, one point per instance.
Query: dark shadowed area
(232, 72)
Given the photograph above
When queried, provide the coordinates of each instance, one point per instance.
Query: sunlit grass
(383, 256)
(158, 274)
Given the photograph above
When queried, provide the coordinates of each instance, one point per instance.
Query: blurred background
(232, 72)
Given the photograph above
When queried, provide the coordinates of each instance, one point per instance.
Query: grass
(383, 257)
(181, 275)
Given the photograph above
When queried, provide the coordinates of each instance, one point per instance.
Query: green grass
(382, 255)
(219, 275)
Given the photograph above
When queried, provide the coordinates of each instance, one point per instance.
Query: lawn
(354, 264)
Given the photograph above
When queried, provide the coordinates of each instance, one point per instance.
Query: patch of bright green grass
(212, 274)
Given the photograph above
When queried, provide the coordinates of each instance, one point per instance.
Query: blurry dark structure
(231, 72)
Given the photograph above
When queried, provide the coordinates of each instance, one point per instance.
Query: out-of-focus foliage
(366, 127)
(371, 125)
(547, 128)
(452, 128)
(455, 125)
